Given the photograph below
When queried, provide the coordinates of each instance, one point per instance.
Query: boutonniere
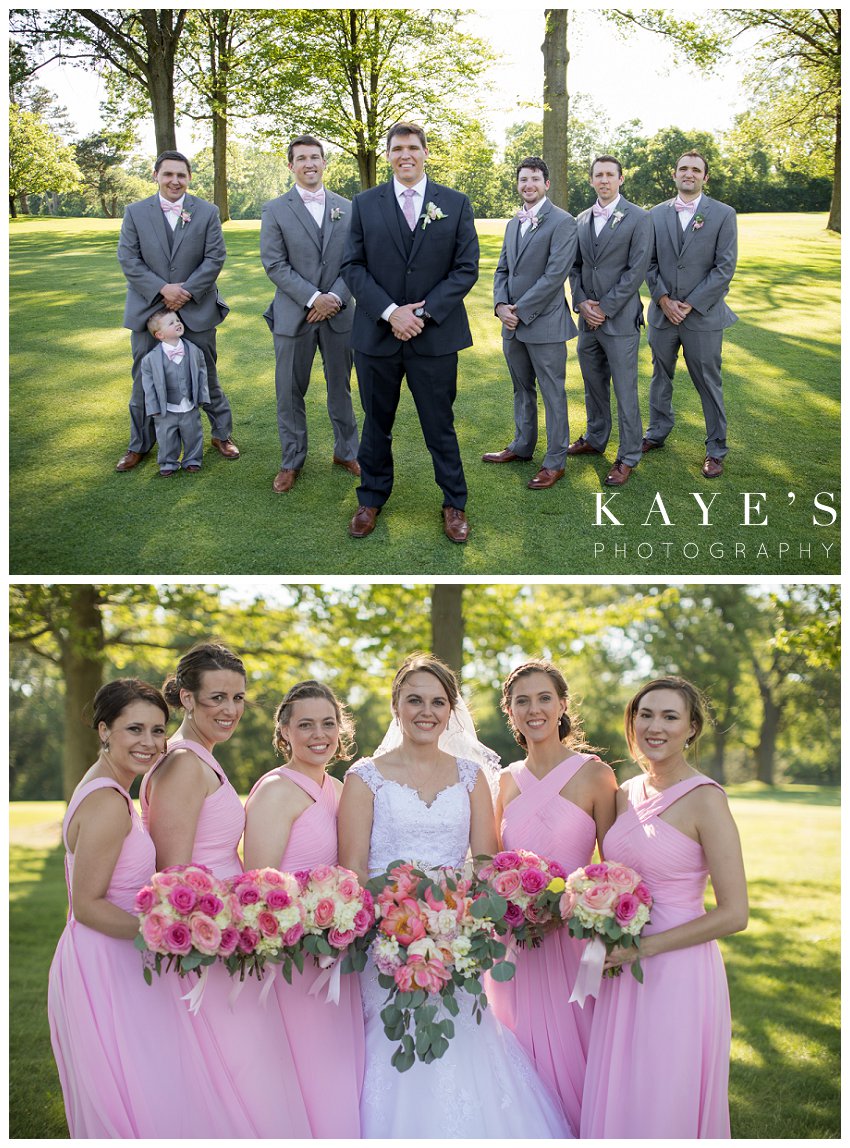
(616, 218)
(431, 213)
(185, 217)
(535, 221)
(336, 214)
(699, 220)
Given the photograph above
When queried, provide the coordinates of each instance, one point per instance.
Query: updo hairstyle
(314, 689)
(695, 703)
(194, 664)
(569, 727)
(111, 700)
(429, 664)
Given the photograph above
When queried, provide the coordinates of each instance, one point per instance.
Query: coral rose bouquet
(184, 920)
(436, 934)
(531, 887)
(610, 904)
(269, 917)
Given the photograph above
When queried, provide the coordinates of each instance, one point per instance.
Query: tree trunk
(220, 63)
(24, 203)
(13, 211)
(219, 141)
(834, 222)
(162, 39)
(766, 748)
(556, 57)
(447, 625)
(82, 647)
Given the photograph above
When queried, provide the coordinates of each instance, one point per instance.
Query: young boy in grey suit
(174, 380)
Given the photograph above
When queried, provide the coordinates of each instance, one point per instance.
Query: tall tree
(139, 44)
(38, 160)
(447, 624)
(556, 103)
(347, 74)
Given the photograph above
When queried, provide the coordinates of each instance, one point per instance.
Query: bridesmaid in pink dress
(116, 1042)
(658, 1064)
(556, 803)
(194, 814)
(291, 825)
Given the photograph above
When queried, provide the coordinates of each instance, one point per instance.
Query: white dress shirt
(599, 221)
(173, 217)
(418, 201)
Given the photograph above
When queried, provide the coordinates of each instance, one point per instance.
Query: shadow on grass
(36, 920)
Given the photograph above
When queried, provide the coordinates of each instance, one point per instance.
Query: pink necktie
(313, 196)
(175, 354)
(409, 215)
(170, 208)
(598, 211)
(690, 208)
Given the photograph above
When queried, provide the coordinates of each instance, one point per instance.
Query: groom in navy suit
(411, 258)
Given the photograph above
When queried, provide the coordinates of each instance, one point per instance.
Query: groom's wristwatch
(421, 313)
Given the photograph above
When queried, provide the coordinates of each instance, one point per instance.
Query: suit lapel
(608, 230)
(303, 216)
(702, 210)
(387, 207)
(328, 224)
(673, 226)
(189, 202)
(158, 221)
(526, 239)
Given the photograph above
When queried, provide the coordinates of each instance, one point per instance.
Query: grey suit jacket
(531, 273)
(699, 273)
(300, 260)
(195, 260)
(612, 270)
(153, 379)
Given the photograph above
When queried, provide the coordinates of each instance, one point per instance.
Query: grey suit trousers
(547, 362)
(175, 427)
(294, 356)
(604, 359)
(218, 408)
(702, 351)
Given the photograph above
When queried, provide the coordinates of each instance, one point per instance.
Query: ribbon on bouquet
(331, 975)
(269, 973)
(589, 972)
(195, 995)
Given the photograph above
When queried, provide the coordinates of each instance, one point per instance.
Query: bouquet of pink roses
(610, 903)
(435, 934)
(532, 888)
(269, 916)
(184, 916)
(336, 910)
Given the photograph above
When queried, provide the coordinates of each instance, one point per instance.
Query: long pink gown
(242, 1045)
(322, 1033)
(120, 1047)
(658, 1065)
(535, 1004)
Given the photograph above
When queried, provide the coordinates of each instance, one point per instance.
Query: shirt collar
(419, 188)
(611, 207)
(302, 191)
(178, 202)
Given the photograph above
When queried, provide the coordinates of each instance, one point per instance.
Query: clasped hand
(592, 313)
(507, 313)
(323, 307)
(175, 295)
(674, 309)
(404, 323)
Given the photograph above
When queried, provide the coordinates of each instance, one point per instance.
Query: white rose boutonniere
(616, 218)
(185, 217)
(431, 213)
(336, 214)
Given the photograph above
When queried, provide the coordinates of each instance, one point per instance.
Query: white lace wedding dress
(484, 1086)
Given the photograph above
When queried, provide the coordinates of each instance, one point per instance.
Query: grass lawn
(784, 971)
(71, 513)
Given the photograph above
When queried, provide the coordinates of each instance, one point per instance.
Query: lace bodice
(405, 828)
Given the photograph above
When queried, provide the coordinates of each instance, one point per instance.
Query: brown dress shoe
(712, 467)
(226, 447)
(506, 455)
(650, 444)
(284, 480)
(582, 446)
(131, 458)
(619, 473)
(455, 524)
(350, 464)
(363, 522)
(167, 473)
(545, 478)
(193, 469)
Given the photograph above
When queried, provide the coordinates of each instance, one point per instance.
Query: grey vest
(178, 384)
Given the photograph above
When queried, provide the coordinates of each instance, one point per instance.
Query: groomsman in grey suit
(171, 251)
(528, 292)
(691, 267)
(613, 254)
(302, 239)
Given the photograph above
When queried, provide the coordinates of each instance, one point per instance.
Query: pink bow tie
(598, 211)
(175, 354)
(170, 208)
(525, 216)
(313, 196)
(690, 208)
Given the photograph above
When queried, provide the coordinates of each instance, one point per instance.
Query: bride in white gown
(417, 802)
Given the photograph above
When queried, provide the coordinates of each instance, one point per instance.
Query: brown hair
(154, 321)
(111, 700)
(428, 664)
(194, 664)
(695, 155)
(569, 727)
(299, 140)
(403, 128)
(177, 156)
(606, 159)
(695, 702)
(534, 163)
(314, 689)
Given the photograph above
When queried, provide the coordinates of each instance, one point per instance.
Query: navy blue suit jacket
(441, 268)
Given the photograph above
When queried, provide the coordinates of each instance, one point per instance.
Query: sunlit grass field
(72, 514)
(784, 971)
